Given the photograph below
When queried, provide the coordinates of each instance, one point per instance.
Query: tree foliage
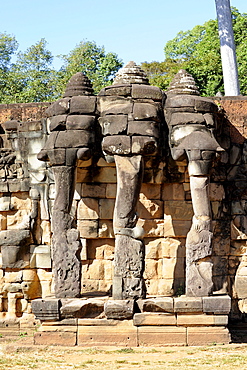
(8, 47)
(33, 79)
(33, 74)
(99, 66)
(198, 51)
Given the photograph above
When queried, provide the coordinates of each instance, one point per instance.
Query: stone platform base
(99, 332)
(162, 321)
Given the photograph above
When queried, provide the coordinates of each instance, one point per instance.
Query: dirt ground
(22, 354)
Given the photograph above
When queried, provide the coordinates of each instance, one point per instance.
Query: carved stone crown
(78, 84)
(183, 83)
(131, 74)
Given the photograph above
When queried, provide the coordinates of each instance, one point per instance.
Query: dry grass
(21, 354)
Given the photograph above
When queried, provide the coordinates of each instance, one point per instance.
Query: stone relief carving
(9, 169)
(131, 118)
(71, 122)
(191, 123)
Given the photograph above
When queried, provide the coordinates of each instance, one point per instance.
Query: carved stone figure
(71, 121)
(130, 118)
(191, 125)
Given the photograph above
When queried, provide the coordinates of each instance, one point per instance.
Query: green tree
(32, 75)
(8, 47)
(99, 66)
(161, 73)
(198, 51)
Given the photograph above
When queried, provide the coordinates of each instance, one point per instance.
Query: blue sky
(135, 30)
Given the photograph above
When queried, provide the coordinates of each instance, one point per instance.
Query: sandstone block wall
(164, 209)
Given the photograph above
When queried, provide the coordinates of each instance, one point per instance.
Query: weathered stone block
(153, 248)
(57, 157)
(74, 139)
(18, 219)
(4, 187)
(106, 208)
(177, 228)
(142, 111)
(46, 309)
(173, 192)
(128, 268)
(57, 123)
(106, 175)
(59, 107)
(202, 320)
(5, 204)
(89, 286)
(117, 144)
(77, 308)
(144, 128)
(152, 228)
(114, 105)
(100, 249)
(172, 267)
(111, 191)
(217, 304)
(205, 105)
(150, 191)
(105, 322)
(14, 256)
(116, 90)
(197, 102)
(162, 304)
(55, 338)
(40, 256)
(13, 277)
(11, 125)
(238, 248)
(84, 156)
(161, 336)
(166, 287)
(107, 336)
(96, 270)
(154, 319)
(151, 267)
(88, 209)
(150, 208)
(82, 105)
(88, 228)
(44, 275)
(144, 145)
(83, 175)
(172, 248)
(178, 210)
(11, 237)
(35, 125)
(146, 92)
(114, 125)
(108, 161)
(209, 118)
(207, 336)
(3, 222)
(93, 191)
(188, 304)
(106, 229)
(80, 122)
(119, 309)
(186, 118)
